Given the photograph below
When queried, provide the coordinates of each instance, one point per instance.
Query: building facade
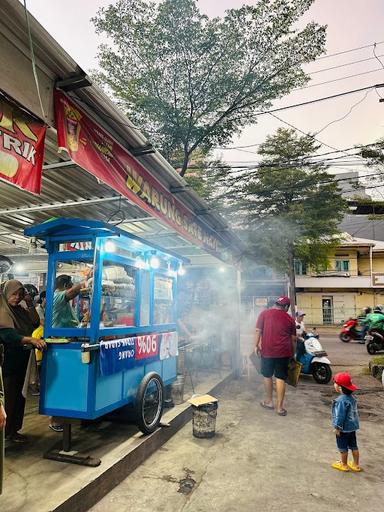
(353, 280)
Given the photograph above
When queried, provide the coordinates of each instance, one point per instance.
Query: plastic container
(204, 420)
(178, 390)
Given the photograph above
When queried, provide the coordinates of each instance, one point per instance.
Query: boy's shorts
(277, 366)
(346, 441)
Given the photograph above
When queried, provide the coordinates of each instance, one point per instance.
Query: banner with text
(93, 149)
(21, 147)
(125, 353)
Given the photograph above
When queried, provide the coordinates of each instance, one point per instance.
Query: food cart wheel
(149, 403)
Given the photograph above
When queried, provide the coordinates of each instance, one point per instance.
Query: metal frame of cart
(101, 368)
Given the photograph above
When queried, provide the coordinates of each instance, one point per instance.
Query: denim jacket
(344, 413)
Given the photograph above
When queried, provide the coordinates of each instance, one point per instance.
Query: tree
(374, 153)
(288, 205)
(191, 82)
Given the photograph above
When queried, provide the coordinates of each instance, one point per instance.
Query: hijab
(14, 317)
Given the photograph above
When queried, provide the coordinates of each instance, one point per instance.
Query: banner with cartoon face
(97, 152)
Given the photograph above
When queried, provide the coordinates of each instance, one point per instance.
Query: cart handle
(87, 347)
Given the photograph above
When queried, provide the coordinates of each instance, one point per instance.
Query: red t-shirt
(276, 328)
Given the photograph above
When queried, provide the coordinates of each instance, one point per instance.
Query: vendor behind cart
(63, 314)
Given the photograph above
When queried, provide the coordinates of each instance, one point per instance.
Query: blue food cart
(123, 348)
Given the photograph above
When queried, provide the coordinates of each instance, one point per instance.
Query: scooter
(374, 340)
(314, 360)
(350, 331)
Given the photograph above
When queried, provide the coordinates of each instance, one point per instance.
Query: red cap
(283, 301)
(344, 379)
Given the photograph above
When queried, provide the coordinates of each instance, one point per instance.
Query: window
(342, 265)
(118, 296)
(144, 306)
(76, 312)
(300, 268)
(163, 300)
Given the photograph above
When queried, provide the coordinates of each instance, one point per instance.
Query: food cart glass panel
(145, 297)
(163, 300)
(118, 296)
(72, 273)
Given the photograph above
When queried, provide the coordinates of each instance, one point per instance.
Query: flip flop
(352, 466)
(283, 412)
(338, 465)
(266, 406)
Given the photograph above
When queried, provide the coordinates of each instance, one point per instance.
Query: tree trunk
(292, 282)
(185, 164)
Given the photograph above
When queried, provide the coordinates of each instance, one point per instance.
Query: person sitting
(16, 327)
(375, 320)
(300, 331)
(300, 323)
(63, 314)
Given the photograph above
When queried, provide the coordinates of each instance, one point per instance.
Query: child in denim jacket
(345, 420)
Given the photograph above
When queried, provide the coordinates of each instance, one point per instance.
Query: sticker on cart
(168, 345)
(147, 346)
(117, 355)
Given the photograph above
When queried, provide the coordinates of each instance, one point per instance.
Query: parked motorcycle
(314, 359)
(350, 331)
(374, 340)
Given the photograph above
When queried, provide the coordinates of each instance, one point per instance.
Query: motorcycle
(374, 340)
(314, 360)
(350, 331)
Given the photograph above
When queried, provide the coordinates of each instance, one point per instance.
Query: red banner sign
(21, 147)
(146, 346)
(93, 149)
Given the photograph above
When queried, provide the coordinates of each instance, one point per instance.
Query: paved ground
(260, 461)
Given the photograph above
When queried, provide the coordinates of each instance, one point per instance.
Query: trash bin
(204, 413)
(178, 390)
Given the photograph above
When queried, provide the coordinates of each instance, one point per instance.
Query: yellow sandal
(338, 465)
(352, 466)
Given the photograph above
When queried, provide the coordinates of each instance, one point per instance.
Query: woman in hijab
(16, 326)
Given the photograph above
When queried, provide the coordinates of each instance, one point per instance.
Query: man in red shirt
(275, 343)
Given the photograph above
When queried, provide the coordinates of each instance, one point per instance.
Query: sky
(351, 24)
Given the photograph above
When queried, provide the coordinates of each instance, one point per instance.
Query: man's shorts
(346, 441)
(277, 366)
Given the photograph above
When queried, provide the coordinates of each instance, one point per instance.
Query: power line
(340, 79)
(302, 132)
(342, 65)
(308, 135)
(321, 154)
(377, 56)
(382, 65)
(304, 159)
(345, 115)
(317, 100)
(278, 166)
(331, 181)
(350, 50)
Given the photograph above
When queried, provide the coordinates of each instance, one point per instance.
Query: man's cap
(300, 313)
(283, 301)
(344, 379)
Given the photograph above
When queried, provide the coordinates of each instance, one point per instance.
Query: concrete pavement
(260, 461)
